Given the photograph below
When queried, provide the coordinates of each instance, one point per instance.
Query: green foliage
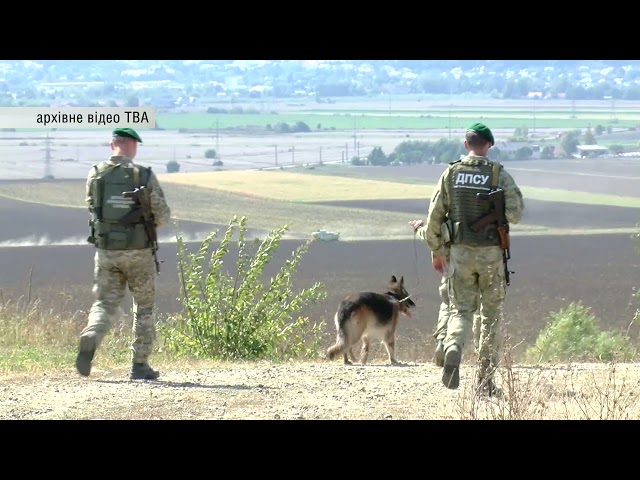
(232, 110)
(235, 316)
(635, 237)
(589, 137)
(442, 151)
(520, 134)
(283, 127)
(300, 127)
(547, 152)
(210, 153)
(572, 334)
(524, 153)
(377, 157)
(570, 141)
(616, 148)
(173, 166)
(413, 151)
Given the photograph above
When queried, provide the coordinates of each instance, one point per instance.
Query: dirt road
(321, 391)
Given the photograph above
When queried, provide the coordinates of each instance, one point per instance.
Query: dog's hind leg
(352, 357)
(390, 344)
(353, 333)
(364, 351)
(340, 347)
(349, 357)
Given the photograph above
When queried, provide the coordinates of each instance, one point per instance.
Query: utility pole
(534, 118)
(358, 154)
(355, 134)
(347, 154)
(613, 108)
(217, 137)
(321, 155)
(276, 149)
(47, 157)
(293, 154)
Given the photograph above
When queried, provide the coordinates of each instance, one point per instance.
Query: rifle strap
(136, 177)
(495, 176)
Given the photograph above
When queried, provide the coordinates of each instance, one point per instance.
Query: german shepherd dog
(369, 314)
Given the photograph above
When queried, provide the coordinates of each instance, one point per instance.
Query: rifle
(497, 216)
(142, 214)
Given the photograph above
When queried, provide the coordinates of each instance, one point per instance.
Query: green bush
(173, 166)
(572, 334)
(234, 316)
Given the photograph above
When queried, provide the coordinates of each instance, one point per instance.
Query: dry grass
(601, 391)
(34, 338)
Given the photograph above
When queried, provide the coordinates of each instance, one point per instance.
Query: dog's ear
(393, 279)
(402, 280)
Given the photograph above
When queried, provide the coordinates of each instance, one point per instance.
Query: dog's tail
(341, 341)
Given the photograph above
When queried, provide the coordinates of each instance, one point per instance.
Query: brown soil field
(537, 212)
(551, 272)
(614, 176)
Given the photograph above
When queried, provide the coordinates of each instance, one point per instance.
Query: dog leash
(415, 253)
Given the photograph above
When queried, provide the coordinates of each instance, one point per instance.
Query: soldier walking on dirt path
(463, 214)
(444, 312)
(125, 250)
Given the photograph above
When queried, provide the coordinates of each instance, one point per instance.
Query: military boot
(142, 371)
(438, 357)
(451, 370)
(86, 351)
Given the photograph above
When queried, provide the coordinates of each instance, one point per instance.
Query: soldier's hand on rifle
(439, 263)
(416, 224)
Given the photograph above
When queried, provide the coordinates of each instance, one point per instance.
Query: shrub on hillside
(572, 334)
(233, 315)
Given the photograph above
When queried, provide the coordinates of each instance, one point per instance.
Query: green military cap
(482, 130)
(127, 132)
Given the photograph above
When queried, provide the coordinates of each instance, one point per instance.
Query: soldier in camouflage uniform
(475, 265)
(443, 320)
(444, 311)
(124, 256)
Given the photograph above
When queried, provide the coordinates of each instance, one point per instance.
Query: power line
(47, 157)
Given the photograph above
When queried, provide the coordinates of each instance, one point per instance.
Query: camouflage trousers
(114, 270)
(476, 284)
(445, 312)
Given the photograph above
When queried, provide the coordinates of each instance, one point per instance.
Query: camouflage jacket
(440, 203)
(159, 207)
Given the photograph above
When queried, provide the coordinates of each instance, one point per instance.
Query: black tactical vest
(110, 206)
(465, 181)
